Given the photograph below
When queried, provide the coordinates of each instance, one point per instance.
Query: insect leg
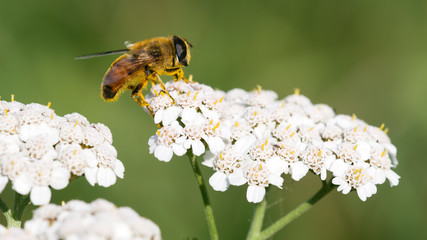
(162, 85)
(179, 74)
(139, 98)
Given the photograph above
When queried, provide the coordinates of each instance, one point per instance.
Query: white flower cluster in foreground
(39, 150)
(79, 220)
(252, 138)
(15, 233)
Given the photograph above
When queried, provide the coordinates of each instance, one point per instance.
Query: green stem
(257, 219)
(282, 222)
(203, 190)
(14, 218)
(20, 203)
(7, 212)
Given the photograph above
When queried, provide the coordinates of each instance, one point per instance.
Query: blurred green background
(363, 57)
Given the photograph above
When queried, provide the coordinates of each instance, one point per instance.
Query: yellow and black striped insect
(144, 62)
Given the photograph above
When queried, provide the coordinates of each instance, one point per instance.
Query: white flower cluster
(190, 120)
(39, 150)
(15, 233)
(253, 138)
(97, 220)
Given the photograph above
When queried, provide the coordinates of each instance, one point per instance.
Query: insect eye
(181, 50)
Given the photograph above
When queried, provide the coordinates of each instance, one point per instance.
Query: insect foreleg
(162, 85)
(139, 98)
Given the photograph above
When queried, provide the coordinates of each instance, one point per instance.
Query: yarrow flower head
(97, 220)
(15, 233)
(40, 150)
(190, 124)
(253, 138)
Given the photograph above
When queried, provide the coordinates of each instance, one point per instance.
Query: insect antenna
(121, 51)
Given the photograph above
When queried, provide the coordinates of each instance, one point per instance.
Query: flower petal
(105, 177)
(119, 168)
(179, 149)
(215, 144)
(208, 159)
(188, 115)
(298, 170)
(276, 165)
(59, 178)
(40, 195)
(171, 115)
(158, 116)
(3, 182)
(237, 178)
(163, 153)
(152, 143)
(219, 181)
(276, 180)
(198, 147)
(364, 149)
(22, 184)
(361, 193)
(90, 175)
(338, 167)
(392, 177)
(255, 194)
(244, 144)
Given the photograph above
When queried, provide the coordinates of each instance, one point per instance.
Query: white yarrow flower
(261, 175)
(97, 220)
(15, 233)
(356, 177)
(43, 151)
(167, 141)
(253, 138)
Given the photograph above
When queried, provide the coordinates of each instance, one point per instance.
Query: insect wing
(121, 72)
